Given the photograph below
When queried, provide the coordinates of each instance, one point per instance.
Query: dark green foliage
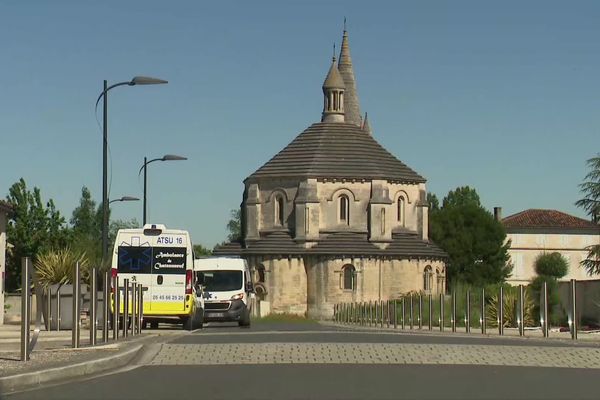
(433, 202)
(552, 265)
(32, 228)
(473, 239)
(201, 251)
(591, 204)
(234, 226)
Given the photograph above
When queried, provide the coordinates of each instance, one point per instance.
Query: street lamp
(138, 80)
(166, 157)
(124, 198)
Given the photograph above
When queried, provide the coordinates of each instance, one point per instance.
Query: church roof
(334, 79)
(336, 150)
(403, 244)
(351, 105)
(547, 220)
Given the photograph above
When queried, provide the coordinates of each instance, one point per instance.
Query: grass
(284, 317)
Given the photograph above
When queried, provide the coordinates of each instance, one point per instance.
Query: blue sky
(501, 96)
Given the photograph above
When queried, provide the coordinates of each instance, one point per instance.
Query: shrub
(58, 266)
(511, 308)
(551, 264)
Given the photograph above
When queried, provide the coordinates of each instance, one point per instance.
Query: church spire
(333, 91)
(353, 114)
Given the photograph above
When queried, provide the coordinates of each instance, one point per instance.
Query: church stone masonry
(334, 217)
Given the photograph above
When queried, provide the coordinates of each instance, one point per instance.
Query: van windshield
(151, 260)
(221, 281)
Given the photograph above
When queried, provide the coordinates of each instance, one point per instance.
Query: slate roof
(405, 245)
(547, 220)
(336, 150)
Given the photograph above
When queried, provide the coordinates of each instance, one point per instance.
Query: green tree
(234, 226)
(549, 267)
(201, 251)
(33, 227)
(591, 204)
(434, 203)
(86, 225)
(474, 240)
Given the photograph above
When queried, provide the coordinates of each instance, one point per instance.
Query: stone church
(334, 217)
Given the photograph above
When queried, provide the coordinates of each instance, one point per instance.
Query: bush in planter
(58, 266)
(550, 267)
(511, 308)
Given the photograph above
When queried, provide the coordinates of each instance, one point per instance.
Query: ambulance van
(227, 289)
(162, 260)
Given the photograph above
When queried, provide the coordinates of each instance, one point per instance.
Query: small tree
(201, 251)
(234, 226)
(550, 267)
(591, 204)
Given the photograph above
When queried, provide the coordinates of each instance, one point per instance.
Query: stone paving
(376, 353)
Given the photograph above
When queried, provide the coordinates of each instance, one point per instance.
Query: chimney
(498, 214)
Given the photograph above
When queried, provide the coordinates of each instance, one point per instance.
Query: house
(535, 231)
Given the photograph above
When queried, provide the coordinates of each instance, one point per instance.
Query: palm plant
(510, 309)
(58, 266)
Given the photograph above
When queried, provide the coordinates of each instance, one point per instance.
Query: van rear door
(135, 263)
(169, 264)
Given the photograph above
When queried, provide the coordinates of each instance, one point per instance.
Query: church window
(349, 274)
(427, 278)
(279, 211)
(344, 210)
(401, 210)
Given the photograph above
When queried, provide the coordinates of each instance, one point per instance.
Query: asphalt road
(333, 381)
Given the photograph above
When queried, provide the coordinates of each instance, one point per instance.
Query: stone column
(307, 211)
(252, 212)
(379, 212)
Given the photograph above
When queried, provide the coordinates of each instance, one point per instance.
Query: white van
(162, 260)
(227, 289)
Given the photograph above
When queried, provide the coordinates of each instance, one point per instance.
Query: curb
(28, 380)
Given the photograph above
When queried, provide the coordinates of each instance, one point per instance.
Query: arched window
(344, 209)
(427, 277)
(279, 210)
(349, 273)
(400, 207)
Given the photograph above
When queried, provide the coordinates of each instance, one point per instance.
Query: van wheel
(245, 320)
(193, 322)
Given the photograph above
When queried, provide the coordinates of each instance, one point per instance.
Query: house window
(427, 278)
(344, 210)
(400, 206)
(279, 211)
(349, 273)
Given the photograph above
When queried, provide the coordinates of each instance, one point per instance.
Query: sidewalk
(583, 337)
(54, 359)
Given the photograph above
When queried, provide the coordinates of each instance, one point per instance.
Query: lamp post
(166, 157)
(138, 80)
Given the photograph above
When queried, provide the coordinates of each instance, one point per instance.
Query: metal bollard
(125, 306)
(403, 312)
(25, 308)
(381, 313)
(501, 311)
(482, 312)
(441, 312)
(411, 315)
(133, 308)
(58, 309)
(140, 304)
(545, 322)
(116, 307)
(395, 314)
(420, 318)
(430, 311)
(468, 312)
(521, 316)
(76, 311)
(93, 304)
(573, 322)
(48, 309)
(105, 305)
(389, 312)
(453, 312)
